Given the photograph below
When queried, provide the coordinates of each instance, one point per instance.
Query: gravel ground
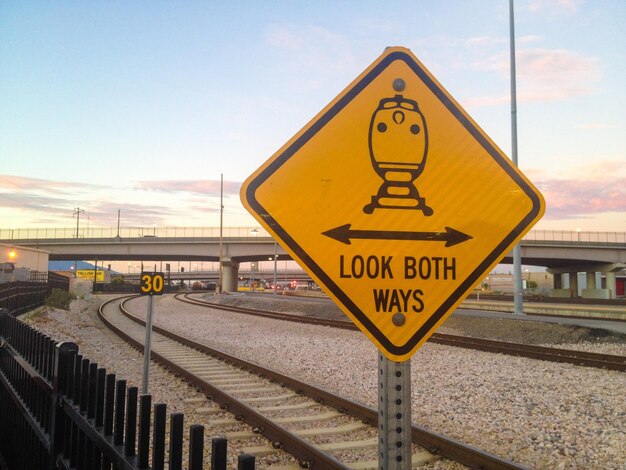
(539, 414)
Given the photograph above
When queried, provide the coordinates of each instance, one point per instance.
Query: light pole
(518, 300)
(77, 213)
(275, 264)
(221, 271)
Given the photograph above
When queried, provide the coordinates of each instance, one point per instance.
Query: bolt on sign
(395, 201)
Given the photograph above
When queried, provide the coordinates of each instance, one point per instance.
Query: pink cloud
(597, 125)
(573, 198)
(211, 187)
(544, 75)
(21, 183)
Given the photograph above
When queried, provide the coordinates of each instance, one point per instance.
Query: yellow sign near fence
(395, 201)
(88, 274)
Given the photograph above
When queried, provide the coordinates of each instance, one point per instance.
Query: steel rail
(435, 443)
(569, 356)
(308, 454)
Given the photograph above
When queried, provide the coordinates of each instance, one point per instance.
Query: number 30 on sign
(151, 283)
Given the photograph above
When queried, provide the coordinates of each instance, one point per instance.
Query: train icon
(398, 146)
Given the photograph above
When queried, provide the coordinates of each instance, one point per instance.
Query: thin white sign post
(151, 284)
(147, 347)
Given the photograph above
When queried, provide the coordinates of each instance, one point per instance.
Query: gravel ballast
(539, 414)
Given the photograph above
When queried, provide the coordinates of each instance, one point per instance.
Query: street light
(12, 255)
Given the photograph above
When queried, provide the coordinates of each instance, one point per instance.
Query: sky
(141, 106)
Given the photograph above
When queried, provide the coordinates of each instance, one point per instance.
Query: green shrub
(59, 298)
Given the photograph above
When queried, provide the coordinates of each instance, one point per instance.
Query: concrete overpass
(562, 252)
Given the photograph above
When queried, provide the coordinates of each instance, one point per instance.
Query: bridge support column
(230, 272)
(611, 284)
(591, 280)
(592, 290)
(573, 283)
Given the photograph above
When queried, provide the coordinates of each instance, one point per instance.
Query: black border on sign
(152, 275)
(497, 253)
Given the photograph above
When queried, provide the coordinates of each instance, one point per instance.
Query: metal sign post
(394, 414)
(147, 347)
(150, 284)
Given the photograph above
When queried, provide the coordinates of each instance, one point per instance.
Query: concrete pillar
(558, 281)
(230, 272)
(573, 283)
(611, 284)
(591, 280)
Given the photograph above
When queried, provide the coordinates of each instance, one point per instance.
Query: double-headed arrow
(344, 234)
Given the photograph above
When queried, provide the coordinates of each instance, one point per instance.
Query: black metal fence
(60, 411)
(22, 296)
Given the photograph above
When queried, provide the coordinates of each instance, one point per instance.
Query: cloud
(597, 125)
(601, 189)
(22, 183)
(33, 201)
(554, 7)
(208, 187)
(544, 75)
(482, 41)
(488, 41)
(310, 51)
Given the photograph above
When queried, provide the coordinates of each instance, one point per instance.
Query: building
(18, 262)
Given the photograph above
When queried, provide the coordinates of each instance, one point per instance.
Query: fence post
(196, 446)
(158, 436)
(245, 462)
(218, 453)
(62, 368)
(176, 441)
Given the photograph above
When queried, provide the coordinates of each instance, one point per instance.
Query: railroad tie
(332, 430)
(417, 460)
(350, 445)
(209, 411)
(308, 418)
(298, 406)
(190, 401)
(284, 396)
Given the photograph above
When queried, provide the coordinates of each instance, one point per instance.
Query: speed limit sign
(151, 283)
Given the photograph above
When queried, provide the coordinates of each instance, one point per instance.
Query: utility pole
(221, 271)
(76, 214)
(518, 299)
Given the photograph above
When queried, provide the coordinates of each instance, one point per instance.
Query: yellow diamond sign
(395, 201)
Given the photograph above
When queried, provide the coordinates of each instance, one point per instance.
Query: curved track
(277, 406)
(582, 358)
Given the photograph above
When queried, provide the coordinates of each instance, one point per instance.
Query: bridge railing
(576, 237)
(131, 232)
(250, 233)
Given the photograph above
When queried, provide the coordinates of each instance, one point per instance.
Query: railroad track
(318, 428)
(582, 358)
